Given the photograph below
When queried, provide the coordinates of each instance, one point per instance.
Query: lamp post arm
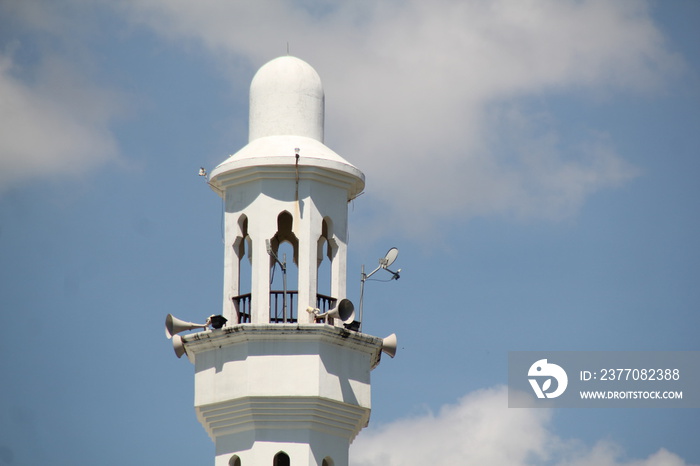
(284, 288)
(363, 278)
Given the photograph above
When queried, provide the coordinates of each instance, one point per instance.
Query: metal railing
(242, 305)
(277, 311)
(325, 303)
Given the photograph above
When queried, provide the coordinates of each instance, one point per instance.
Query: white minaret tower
(278, 385)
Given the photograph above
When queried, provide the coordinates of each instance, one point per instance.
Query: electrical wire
(223, 209)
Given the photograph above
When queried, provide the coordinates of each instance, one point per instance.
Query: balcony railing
(278, 314)
(242, 305)
(277, 311)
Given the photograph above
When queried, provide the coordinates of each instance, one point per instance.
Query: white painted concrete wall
(301, 389)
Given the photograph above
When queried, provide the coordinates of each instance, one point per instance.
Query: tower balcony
(278, 313)
(287, 384)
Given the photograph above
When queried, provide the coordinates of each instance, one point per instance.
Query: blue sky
(535, 163)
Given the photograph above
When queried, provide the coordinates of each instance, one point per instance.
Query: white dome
(286, 98)
(286, 120)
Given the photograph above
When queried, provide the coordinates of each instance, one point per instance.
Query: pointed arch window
(281, 459)
(326, 250)
(243, 258)
(234, 461)
(284, 283)
(324, 257)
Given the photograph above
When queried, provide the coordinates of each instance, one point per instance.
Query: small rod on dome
(296, 170)
(287, 48)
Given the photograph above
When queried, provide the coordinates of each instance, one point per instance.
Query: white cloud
(58, 126)
(53, 120)
(481, 429)
(420, 93)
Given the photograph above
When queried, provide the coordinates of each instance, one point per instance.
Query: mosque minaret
(282, 377)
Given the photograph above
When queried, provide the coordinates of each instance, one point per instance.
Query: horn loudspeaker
(178, 346)
(344, 311)
(389, 345)
(173, 325)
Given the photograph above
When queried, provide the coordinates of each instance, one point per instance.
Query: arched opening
(324, 256)
(234, 461)
(327, 461)
(283, 272)
(243, 262)
(325, 252)
(281, 459)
